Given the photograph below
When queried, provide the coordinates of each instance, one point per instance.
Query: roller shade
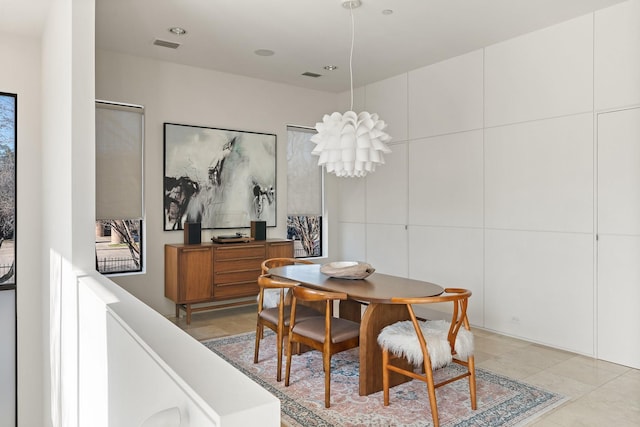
(304, 176)
(119, 161)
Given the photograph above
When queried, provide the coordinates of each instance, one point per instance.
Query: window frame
(321, 221)
(14, 137)
(129, 233)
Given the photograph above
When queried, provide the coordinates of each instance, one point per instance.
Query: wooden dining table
(375, 293)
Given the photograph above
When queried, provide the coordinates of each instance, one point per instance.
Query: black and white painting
(220, 178)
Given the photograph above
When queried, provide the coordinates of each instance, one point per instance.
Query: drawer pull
(247, 270)
(195, 249)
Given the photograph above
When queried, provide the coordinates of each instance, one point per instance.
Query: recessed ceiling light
(387, 12)
(178, 31)
(264, 52)
(330, 67)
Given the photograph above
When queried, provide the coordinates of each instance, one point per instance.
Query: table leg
(376, 317)
(351, 310)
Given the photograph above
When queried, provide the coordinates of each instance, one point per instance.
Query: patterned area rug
(501, 401)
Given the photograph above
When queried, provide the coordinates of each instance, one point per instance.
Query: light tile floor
(602, 394)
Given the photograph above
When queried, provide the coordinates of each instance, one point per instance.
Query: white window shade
(304, 176)
(119, 167)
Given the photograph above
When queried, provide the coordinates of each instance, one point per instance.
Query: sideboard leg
(188, 314)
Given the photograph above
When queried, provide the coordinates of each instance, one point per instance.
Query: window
(119, 187)
(8, 352)
(8, 132)
(305, 191)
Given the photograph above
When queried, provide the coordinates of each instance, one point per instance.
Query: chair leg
(259, 329)
(326, 362)
(288, 368)
(279, 337)
(472, 381)
(385, 376)
(432, 398)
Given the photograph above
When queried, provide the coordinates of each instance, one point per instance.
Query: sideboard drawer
(235, 289)
(240, 264)
(238, 252)
(237, 275)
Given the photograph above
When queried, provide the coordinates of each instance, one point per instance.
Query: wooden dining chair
(276, 318)
(324, 333)
(271, 296)
(431, 344)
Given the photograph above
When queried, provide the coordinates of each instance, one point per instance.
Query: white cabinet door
(619, 237)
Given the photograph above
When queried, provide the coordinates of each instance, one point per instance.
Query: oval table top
(377, 288)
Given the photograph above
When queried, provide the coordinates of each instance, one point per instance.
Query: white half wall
(134, 364)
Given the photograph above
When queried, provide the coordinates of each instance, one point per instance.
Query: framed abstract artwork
(220, 178)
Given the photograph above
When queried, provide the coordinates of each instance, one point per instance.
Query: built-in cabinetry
(214, 272)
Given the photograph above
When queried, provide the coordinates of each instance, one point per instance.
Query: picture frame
(221, 178)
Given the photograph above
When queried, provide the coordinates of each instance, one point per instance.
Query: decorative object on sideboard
(219, 177)
(350, 144)
(347, 269)
(232, 238)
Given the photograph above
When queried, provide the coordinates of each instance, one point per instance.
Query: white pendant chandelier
(350, 144)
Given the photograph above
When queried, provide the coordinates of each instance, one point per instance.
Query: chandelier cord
(353, 32)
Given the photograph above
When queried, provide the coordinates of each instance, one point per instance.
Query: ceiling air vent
(310, 74)
(165, 43)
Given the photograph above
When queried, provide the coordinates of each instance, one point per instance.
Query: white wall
(21, 74)
(68, 195)
(187, 95)
(617, 88)
(495, 169)
(8, 358)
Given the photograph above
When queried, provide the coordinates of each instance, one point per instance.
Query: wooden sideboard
(214, 272)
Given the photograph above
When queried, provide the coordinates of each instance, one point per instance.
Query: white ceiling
(306, 35)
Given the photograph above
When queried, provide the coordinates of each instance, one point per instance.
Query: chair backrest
(279, 262)
(460, 299)
(301, 293)
(266, 281)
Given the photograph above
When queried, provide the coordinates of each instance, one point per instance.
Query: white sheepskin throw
(401, 340)
(272, 298)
